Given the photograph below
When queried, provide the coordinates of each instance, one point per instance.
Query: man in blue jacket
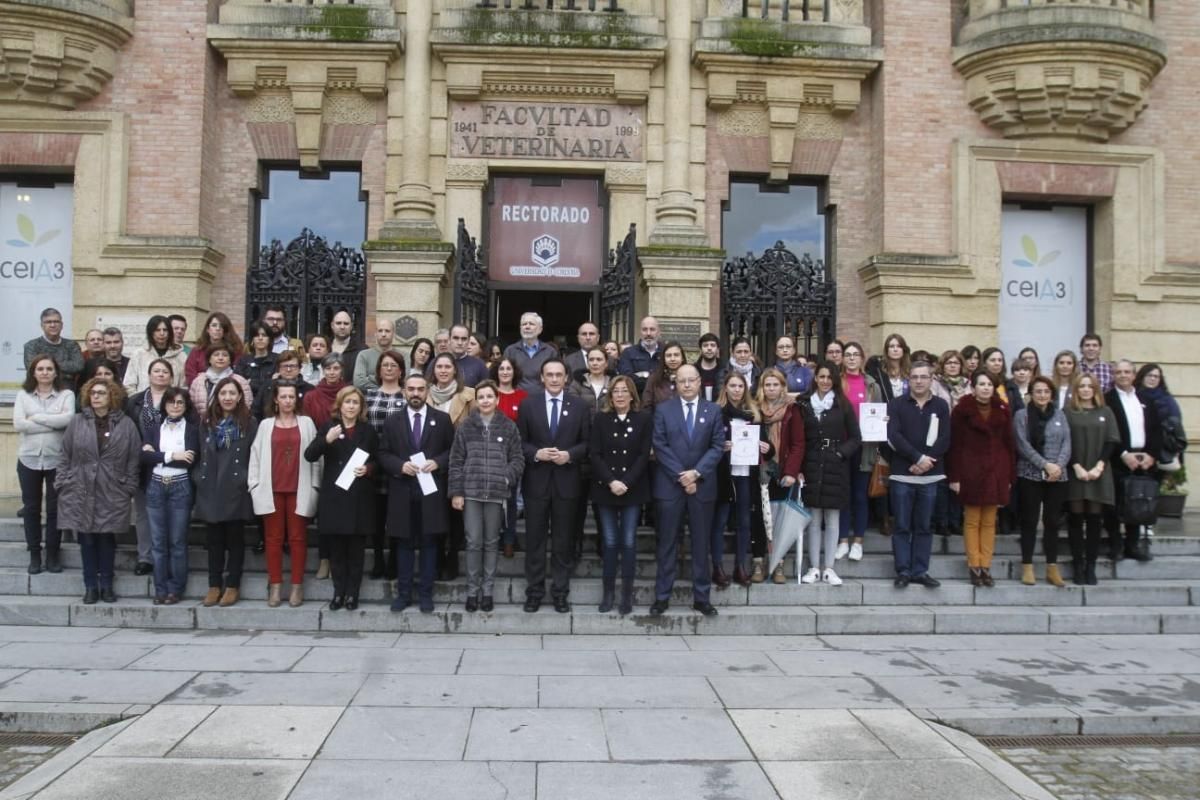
(919, 434)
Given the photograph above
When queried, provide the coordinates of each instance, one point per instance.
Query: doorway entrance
(561, 312)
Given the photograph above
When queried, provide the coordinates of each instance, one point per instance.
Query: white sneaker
(812, 576)
(831, 578)
(856, 552)
(842, 549)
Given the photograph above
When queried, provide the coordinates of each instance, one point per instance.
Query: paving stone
(1159, 722)
(160, 636)
(905, 734)
(1143, 661)
(1154, 641)
(962, 641)
(808, 735)
(270, 732)
(983, 691)
(788, 692)
(885, 780)
(378, 659)
(399, 734)
(489, 641)
(448, 691)
(267, 688)
(319, 638)
(133, 612)
(183, 778)
(64, 717)
(693, 734)
(1103, 620)
(989, 619)
(202, 658)
(1047, 720)
(703, 664)
(157, 731)
(90, 685)
(26, 655)
(564, 691)
(999, 662)
(1117, 694)
(493, 780)
(767, 644)
(537, 734)
(1007, 593)
(52, 633)
(590, 781)
(837, 663)
(875, 619)
(247, 616)
(1141, 593)
(615, 642)
(539, 662)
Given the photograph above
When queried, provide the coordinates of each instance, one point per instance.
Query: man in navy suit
(689, 440)
(555, 429)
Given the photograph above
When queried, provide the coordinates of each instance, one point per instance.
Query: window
(757, 215)
(331, 204)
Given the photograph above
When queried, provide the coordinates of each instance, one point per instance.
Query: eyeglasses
(292, 365)
(99, 393)
(52, 322)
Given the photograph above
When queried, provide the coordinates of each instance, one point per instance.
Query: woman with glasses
(287, 368)
(168, 456)
(858, 387)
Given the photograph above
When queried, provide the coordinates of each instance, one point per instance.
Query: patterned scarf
(773, 418)
(151, 417)
(439, 397)
(226, 433)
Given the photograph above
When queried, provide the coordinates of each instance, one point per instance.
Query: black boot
(626, 597)
(53, 564)
(1091, 573)
(1142, 549)
(1078, 575)
(606, 602)
(35, 562)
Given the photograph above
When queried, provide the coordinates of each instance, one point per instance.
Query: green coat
(1093, 430)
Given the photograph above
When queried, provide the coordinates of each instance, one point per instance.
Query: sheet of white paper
(871, 421)
(931, 437)
(745, 444)
(357, 459)
(425, 479)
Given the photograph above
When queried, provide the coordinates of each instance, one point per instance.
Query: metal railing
(788, 10)
(551, 5)
(979, 8)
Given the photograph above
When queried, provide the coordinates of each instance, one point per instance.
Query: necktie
(553, 417)
(690, 420)
(416, 431)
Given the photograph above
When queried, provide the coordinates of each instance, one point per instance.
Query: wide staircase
(1159, 596)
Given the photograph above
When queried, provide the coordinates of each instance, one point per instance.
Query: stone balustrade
(980, 8)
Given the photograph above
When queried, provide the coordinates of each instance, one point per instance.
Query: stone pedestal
(679, 282)
(409, 280)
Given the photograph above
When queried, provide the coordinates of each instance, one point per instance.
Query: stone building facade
(910, 128)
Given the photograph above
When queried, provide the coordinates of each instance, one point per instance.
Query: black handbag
(1141, 500)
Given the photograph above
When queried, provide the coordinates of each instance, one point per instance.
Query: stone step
(583, 619)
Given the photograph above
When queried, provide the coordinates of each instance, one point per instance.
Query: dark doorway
(561, 312)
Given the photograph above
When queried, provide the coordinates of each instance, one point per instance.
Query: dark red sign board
(540, 234)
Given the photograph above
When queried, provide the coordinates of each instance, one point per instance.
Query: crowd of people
(419, 455)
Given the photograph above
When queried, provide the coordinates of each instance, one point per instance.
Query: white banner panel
(35, 270)
(1043, 280)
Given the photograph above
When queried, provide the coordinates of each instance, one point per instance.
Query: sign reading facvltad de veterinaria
(554, 131)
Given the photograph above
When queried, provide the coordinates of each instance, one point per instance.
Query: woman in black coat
(620, 458)
(346, 516)
(738, 488)
(831, 438)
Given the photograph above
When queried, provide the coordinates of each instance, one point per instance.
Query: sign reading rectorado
(554, 131)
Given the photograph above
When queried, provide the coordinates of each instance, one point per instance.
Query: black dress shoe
(91, 597)
(260, 547)
(108, 595)
(561, 605)
(705, 608)
(351, 603)
(532, 604)
(488, 604)
(427, 606)
(337, 603)
(658, 607)
(901, 581)
(143, 568)
(472, 604)
(53, 564)
(35, 562)
(928, 581)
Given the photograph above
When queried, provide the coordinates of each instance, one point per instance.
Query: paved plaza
(307, 714)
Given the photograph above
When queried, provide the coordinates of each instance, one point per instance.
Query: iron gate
(616, 291)
(470, 283)
(311, 280)
(777, 294)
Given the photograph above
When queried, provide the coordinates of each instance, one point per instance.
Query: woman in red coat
(980, 467)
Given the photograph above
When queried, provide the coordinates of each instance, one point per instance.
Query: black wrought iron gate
(311, 280)
(470, 283)
(777, 294)
(616, 290)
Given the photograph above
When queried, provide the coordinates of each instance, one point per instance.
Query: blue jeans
(859, 483)
(169, 506)
(32, 481)
(98, 552)
(618, 531)
(740, 504)
(912, 539)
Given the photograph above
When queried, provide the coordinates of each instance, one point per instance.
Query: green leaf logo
(1031, 259)
(29, 235)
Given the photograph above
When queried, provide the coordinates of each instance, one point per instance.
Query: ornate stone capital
(1080, 70)
(59, 52)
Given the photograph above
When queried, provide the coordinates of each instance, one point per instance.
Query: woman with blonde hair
(1062, 375)
(738, 486)
(1094, 437)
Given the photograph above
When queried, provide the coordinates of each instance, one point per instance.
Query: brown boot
(719, 578)
(740, 577)
(214, 594)
(230, 597)
(508, 551)
(273, 598)
(1053, 576)
(1027, 576)
(297, 598)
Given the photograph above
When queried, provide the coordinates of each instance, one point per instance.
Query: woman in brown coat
(96, 480)
(980, 468)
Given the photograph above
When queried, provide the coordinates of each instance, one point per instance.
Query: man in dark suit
(415, 519)
(689, 439)
(1141, 444)
(555, 428)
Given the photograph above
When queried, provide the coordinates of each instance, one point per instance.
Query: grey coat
(223, 478)
(94, 486)
(1057, 449)
(486, 463)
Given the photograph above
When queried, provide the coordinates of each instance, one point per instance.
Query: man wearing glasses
(64, 351)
